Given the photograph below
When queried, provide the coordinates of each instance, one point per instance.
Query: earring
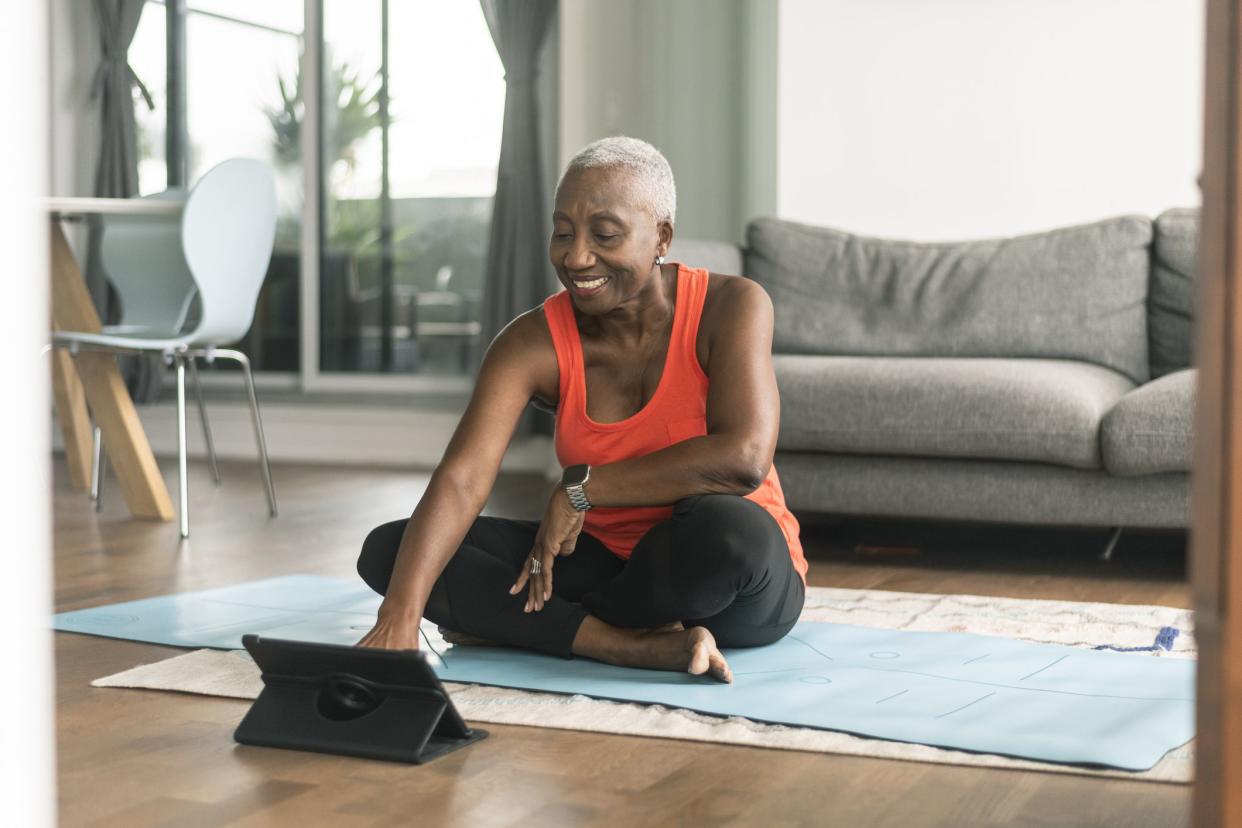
(659, 260)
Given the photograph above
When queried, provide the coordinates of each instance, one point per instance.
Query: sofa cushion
(1046, 411)
(1075, 293)
(1171, 295)
(1148, 431)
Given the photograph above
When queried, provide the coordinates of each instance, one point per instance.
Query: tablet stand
(345, 713)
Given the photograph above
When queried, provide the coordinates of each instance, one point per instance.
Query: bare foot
(705, 657)
(693, 650)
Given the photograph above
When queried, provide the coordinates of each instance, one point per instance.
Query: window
(413, 99)
(147, 55)
(409, 123)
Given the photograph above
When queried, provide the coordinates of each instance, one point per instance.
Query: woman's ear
(664, 232)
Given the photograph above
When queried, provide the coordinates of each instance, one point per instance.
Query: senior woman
(667, 536)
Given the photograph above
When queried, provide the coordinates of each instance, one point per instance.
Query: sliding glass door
(238, 69)
(411, 105)
(382, 121)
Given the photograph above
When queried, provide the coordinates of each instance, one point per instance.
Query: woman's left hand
(558, 534)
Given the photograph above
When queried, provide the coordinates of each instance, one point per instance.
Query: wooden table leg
(75, 425)
(140, 480)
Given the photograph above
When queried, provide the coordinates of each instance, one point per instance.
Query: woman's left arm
(743, 416)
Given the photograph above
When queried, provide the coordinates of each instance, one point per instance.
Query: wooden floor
(135, 757)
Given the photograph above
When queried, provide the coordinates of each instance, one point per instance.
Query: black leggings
(719, 562)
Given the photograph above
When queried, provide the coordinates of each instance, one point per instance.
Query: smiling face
(605, 239)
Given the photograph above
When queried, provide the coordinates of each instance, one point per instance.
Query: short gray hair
(653, 177)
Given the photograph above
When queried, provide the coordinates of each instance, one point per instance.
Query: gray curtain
(517, 255)
(116, 175)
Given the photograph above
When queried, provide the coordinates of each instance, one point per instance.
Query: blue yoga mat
(956, 690)
(299, 607)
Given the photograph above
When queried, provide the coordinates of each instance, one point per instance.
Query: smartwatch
(573, 479)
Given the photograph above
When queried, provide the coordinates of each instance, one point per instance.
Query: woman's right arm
(462, 481)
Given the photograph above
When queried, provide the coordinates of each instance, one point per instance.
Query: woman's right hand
(393, 631)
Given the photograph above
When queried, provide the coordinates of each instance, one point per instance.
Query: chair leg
(182, 475)
(264, 465)
(202, 415)
(1111, 544)
(97, 469)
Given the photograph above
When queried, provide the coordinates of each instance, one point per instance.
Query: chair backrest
(143, 259)
(227, 232)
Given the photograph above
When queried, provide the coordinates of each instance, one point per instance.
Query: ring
(536, 566)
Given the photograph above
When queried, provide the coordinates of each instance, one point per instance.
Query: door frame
(1216, 481)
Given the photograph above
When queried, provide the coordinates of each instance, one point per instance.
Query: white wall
(971, 118)
(694, 77)
(27, 741)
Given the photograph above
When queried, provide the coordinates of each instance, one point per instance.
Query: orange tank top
(677, 411)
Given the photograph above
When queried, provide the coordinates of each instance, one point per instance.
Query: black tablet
(357, 701)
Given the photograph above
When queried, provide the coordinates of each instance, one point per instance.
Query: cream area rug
(1150, 631)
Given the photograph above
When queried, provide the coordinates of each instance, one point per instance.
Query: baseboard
(332, 434)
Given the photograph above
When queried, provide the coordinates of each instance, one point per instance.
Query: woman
(668, 535)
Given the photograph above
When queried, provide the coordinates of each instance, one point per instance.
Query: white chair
(144, 260)
(220, 250)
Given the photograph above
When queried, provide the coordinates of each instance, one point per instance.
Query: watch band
(574, 485)
(578, 498)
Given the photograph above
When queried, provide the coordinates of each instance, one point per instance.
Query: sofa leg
(1113, 537)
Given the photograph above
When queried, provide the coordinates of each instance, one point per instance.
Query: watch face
(575, 475)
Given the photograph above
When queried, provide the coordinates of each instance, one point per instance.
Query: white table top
(76, 206)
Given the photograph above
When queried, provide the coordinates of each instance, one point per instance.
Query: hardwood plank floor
(137, 758)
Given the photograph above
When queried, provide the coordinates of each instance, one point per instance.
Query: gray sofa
(1038, 379)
